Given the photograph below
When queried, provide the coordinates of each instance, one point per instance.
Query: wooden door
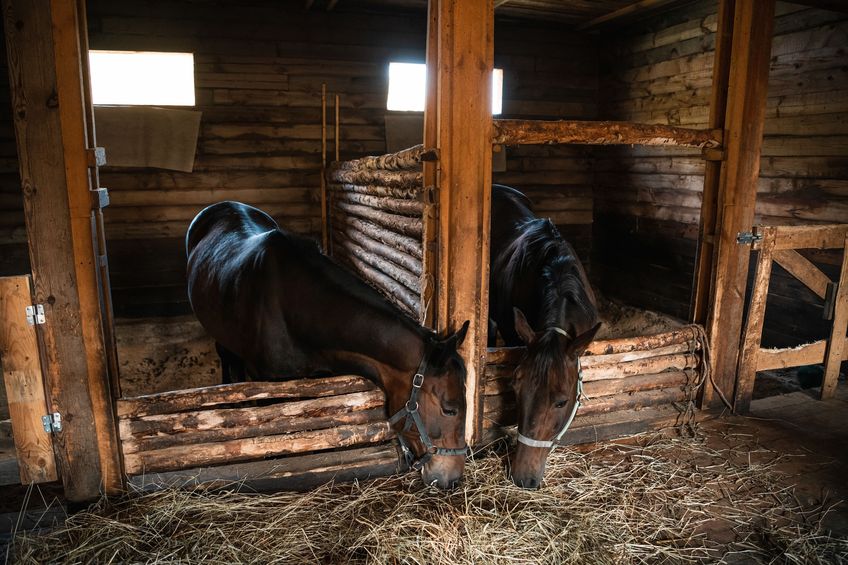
(21, 364)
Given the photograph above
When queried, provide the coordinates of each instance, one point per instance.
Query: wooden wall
(259, 70)
(648, 199)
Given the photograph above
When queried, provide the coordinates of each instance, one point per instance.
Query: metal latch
(35, 314)
(52, 423)
(747, 238)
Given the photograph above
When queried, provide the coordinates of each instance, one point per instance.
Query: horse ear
(455, 341)
(582, 341)
(522, 326)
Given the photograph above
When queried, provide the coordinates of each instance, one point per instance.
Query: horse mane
(565, 295)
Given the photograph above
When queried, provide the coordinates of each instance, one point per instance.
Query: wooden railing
(778, 244)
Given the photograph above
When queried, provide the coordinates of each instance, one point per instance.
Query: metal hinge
(52, 423)
(747, 238)
(35, 314)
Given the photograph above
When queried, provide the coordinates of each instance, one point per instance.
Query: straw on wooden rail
(400, 258)
(410, 158)
(189, 399)
(404, 207)
(403, 243)
(395, 292)
(182, 456)
(411, 180)
(400, 224)
(397, 273)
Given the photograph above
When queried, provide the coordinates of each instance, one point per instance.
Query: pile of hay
(660, 499)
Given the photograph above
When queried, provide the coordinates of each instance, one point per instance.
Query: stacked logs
(223, 424)
(618, 374)
(376, 210)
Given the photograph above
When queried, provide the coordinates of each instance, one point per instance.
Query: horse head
(547, 386)
(429, 417)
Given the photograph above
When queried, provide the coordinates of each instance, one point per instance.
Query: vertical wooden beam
(24, 382)
(754, 325)
(42, 38)
(429, 239)
(836, 342)
(703, 277)
(743, 136)
(325, 218)
(464, 106)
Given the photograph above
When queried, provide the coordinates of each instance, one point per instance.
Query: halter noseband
(548, 444)
(413, 416)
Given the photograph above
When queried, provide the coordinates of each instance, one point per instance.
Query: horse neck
(385, 350)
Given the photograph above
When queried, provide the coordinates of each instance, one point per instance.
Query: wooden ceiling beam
(637, 7)
(833, 5)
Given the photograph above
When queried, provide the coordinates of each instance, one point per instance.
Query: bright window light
(142, 78)
(407, 88)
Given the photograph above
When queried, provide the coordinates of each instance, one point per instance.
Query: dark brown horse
(539, 296)
(279, 309)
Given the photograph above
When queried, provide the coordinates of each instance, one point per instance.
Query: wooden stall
(415, 224)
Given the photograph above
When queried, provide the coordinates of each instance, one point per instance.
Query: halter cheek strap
(548, 444)
(413, 417)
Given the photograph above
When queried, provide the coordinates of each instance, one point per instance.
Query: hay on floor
(658, 500)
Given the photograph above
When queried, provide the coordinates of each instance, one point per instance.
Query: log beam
(737, 195)
(538, 132)
(463, 74)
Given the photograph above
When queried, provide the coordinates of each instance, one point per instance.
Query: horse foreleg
(232, 367)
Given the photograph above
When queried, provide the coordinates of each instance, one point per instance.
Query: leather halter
(548, 444)
(413, 416)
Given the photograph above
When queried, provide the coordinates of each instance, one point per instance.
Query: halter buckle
(417, 380)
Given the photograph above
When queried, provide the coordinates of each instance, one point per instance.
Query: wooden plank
(748, 356)
(192, 399)
(809, 237)
(430, 232)
(743, 136)
(712, 169)
(297, 472)
(802, 269)
(463, 76)
(807, 354)
(516, 132)
(836, 342)
(44, 64)
(180, 457)
(639, 7)
(24, 383)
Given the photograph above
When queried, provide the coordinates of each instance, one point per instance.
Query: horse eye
(561, 404)
(449, 411)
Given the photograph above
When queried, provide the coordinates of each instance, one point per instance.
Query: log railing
(218, 425)
(531, 132)
(377, 207)
(625, 374)
(778, 244)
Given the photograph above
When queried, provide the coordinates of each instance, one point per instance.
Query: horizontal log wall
(259, 70)
(648, 199)
(620, 376)
(210, 426)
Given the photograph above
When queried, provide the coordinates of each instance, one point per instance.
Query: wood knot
(53, 100)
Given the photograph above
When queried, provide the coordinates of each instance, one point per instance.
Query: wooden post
(743, 136)
(429, 238)
(42, 38)
(712, 169)
(464, 133)
(24, 382)
(325, 226)
(836, 343)
(754, 325)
